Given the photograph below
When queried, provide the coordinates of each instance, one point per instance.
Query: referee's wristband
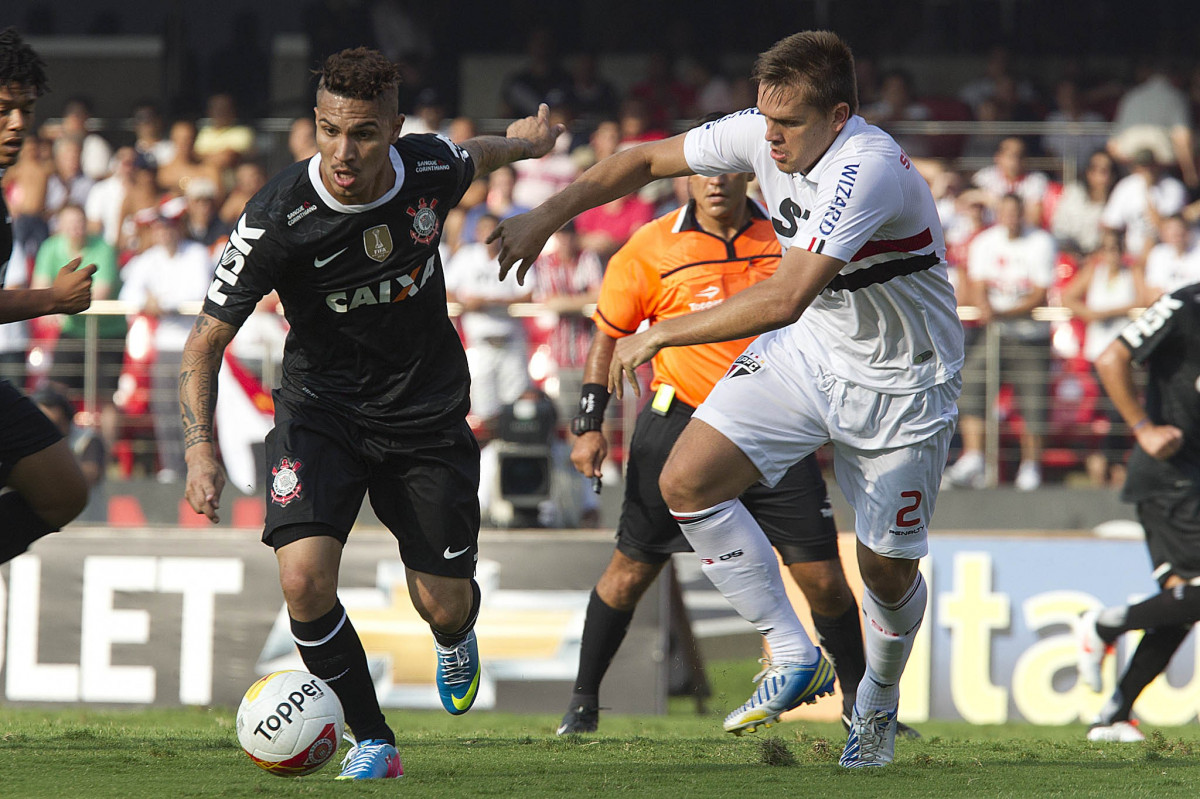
(593, 399)
(1145, 421)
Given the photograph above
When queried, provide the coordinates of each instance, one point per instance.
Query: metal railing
(1070, 442)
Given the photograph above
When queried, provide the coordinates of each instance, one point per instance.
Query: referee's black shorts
(424, 488)
(1172, 526)
(24, 429)
(795, 514)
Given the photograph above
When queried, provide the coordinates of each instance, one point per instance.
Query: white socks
(890, 630)
(736, 556)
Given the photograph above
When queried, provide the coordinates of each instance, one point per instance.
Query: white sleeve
(133, 286)
(725, 145)
(1043, 262)
(1112, 215)
(856, 196)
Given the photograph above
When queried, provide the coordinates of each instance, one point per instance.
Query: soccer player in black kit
(375, 387)
(1164, 481)
(48, 488)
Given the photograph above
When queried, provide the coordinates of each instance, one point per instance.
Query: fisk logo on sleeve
(233, 259)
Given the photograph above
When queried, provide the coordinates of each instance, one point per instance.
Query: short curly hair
(360, 74)
(20, 65)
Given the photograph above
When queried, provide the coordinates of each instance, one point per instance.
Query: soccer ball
(290, 723)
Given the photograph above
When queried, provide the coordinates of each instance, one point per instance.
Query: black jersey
(1166, 339)
(361, 286)
(6, 238)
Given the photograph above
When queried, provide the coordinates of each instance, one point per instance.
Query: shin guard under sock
(890, 631)
(736, 556)
(331, 649)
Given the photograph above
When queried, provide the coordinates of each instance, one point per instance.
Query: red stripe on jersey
(919, 241)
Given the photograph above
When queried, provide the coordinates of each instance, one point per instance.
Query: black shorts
(795, 514)
(424, 488)
(1172, 526)
(24, 429)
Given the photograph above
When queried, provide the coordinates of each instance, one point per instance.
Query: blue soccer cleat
(781, 688)
(371, 759)
(872, 740)
(458, 674)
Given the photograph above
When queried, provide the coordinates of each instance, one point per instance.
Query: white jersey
(888, 321)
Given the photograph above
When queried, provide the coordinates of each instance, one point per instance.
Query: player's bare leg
(450, 605)
(48, 491)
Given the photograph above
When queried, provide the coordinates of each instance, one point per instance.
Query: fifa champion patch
(285, 482)
(424, 221)
(745, 364)
(377, 241)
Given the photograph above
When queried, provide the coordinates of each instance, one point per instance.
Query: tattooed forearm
(490, 152)
(198, 378)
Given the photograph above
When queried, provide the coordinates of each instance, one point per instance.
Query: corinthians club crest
(425, 221)
(377, 241)
(285, 483)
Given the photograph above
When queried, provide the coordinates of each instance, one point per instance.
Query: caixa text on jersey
(391, 290)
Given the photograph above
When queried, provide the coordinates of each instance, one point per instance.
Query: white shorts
(889, 449)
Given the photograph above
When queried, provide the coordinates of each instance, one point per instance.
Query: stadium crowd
(1107, 223)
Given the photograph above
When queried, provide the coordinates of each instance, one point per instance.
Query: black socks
(604, 629)
(330, 649)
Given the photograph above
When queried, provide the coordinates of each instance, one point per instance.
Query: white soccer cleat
(1090, 651)
(1121, 732)
(872, 739)
(781, 688)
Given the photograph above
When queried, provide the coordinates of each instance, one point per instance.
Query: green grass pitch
(194, 753)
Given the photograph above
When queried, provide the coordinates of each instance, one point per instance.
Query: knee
(622, 587)
(68, 503)
(309, 593)
(679, 488)
(889, 582)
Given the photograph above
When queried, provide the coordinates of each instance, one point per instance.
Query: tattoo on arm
(490, 152)
(198, 378)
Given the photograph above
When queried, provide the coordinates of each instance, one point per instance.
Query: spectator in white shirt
(1140, 200)
(496, 346)
(1174, 262)
(1010, 266)
(1010, 175)
(172, 273)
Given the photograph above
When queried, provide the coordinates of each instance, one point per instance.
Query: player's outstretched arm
(774, 303)
(531, 137)
(522, 237)
(197, 399)
(591, 448)
(70, 293)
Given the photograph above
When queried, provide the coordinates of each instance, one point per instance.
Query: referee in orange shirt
(718, 244)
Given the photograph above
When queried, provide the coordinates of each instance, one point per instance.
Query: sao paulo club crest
(285, 482)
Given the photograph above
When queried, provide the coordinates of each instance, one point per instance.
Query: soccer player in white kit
(860, 346)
